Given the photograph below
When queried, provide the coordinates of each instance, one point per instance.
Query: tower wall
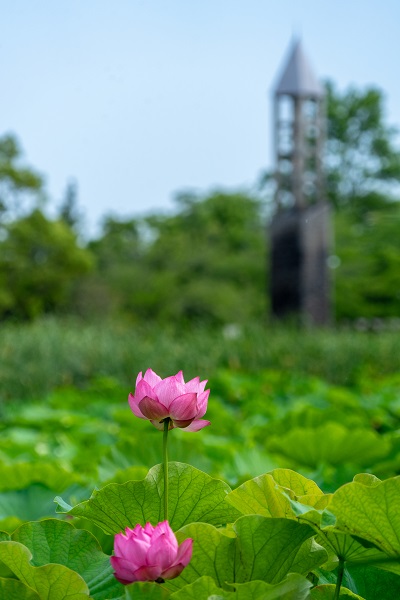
(300, 282)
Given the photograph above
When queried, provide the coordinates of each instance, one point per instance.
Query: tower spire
(297, 78)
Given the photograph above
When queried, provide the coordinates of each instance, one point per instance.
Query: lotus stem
(339, 579)
(165, 465)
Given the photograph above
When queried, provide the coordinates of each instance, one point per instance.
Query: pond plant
(180, 534)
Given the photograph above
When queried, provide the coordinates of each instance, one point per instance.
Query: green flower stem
(339, 579)
(165, 464)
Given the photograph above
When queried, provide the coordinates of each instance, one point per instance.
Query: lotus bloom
(149, 554)
(157, 399)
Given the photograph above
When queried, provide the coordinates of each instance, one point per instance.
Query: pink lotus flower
(157, 399)
(149, 554)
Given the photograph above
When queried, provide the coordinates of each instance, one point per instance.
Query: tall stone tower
(300, 228)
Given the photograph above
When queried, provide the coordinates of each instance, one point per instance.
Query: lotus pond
(292, 488)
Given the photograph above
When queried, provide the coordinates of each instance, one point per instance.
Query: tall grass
(36, 358)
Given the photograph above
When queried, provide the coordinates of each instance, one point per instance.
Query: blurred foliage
(362, 160)
(264, 424)
(206, 263)
(39, 260)
(71, 439)
(38, 357)
(17, 181)
(69, 211)
(363, 179)
(368, 277)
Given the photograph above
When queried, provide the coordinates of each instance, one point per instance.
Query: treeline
(207, 262)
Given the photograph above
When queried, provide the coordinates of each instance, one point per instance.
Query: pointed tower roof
(298, 78)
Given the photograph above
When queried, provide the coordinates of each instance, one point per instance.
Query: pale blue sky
(137, 100)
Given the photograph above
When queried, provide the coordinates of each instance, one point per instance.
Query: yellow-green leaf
(370, 512)
(51, 582)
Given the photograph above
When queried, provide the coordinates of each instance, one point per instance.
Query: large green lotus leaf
(12, 589)
(316, 502)
(51, 582)
(213, 555)
(193, 496)
(201, 589)
(349, 549)
(337, 542)
(263, 495)
(264, 549)
(300, 485)
(368, 581)
(105, 540)
(370, 512)
(148, 590)
(293, 587)
(19, 476)
(54, 541)
(341, 544)
(29, 504)
(372, 583)
(327, 592)
(268, 549)
(260, 496)
(330, 443)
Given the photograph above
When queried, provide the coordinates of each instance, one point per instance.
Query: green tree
(117, 276)
(362, 160)
(18, 183)
(205, 263)
(363, 179)
(69, 211)
(367, 283)
(39, 263)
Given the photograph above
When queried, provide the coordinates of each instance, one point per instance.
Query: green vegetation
(284, 405)
(280, 397)
(362, 158)
(39, 259)
(207, 263)
(18, 183)
(36, 358)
